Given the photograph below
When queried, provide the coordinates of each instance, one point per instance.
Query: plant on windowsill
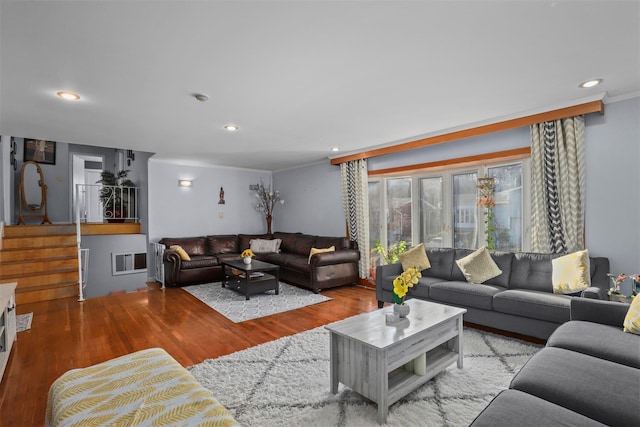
(117, 194)
(393, 254)
(401, 285)
(486, 190)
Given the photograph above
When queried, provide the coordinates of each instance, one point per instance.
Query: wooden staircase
(42, 259)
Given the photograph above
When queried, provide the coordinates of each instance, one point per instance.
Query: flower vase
(401, 309)
(247, 260)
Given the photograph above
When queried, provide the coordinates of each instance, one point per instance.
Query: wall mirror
(33, 193)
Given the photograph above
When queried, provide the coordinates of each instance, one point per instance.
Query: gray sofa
(520, 300)
(587, 375)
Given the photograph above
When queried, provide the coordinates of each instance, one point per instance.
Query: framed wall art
(40, 151)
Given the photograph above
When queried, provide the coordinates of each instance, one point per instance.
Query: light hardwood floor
(66, 334)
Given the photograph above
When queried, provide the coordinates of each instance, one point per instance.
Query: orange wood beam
(575, 110)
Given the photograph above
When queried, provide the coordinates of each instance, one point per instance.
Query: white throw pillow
(415, 257)
(265, 246)
(478, 266)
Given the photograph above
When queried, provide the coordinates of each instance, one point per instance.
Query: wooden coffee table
(267, 277)
(369, 356)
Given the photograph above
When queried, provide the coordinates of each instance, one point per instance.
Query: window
(398, 210)
(439, 208)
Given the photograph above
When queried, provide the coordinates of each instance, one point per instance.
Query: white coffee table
(368, 355)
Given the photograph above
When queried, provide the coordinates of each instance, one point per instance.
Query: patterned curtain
(557, 185)
(355, 196)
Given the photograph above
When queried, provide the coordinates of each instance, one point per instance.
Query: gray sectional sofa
(587, 375)
(519, 300)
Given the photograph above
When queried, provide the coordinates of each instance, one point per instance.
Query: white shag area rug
(234, 306)
(286, 383)
(23, 322)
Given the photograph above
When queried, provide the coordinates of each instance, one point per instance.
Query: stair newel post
(78, 241)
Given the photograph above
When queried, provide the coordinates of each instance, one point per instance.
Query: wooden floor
(66, 334)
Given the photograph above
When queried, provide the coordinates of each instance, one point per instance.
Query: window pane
(431, 221)
(398, 211)
(374, 214)
(508, 210)
(465, 229)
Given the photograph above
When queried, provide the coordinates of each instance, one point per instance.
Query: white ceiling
(299, 77)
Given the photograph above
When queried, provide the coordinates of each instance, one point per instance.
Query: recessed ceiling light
(590, 83)
(69, 96)
(334, 149)
(231, 128)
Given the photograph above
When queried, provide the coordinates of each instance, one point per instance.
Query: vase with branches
(267, 201)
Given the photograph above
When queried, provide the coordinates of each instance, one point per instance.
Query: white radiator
(156, 266)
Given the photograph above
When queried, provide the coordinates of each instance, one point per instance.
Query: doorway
(86, 170)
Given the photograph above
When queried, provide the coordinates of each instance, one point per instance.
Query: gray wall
(100, 280)
(313, 200)
(178, 212)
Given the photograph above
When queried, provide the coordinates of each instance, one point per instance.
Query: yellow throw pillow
(319, 251)
(415, 257)
(478, 266)
(571, 273)
(184, 256)
(632, 319)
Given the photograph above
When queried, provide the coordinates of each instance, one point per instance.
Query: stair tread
(37, 273)
(49, 286)
(49, 258)
(31, 248)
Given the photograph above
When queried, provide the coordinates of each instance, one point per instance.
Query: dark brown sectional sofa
(323, 270)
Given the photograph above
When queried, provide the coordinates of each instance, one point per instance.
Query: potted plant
(116, 194)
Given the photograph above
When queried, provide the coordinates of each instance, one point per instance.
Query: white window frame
(447, 202)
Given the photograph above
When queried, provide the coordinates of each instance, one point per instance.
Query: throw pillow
(415, 257)
(632, 319)
(265, 246)
(478, 266)
(319, 251)
(570, 273)
(184, 256)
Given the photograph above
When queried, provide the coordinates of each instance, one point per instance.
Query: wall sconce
(130, 157)
(185, 183)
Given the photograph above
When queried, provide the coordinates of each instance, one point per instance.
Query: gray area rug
(23, 322)
(236, 308)
(286, 383)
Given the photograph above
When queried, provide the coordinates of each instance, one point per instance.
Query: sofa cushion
(478, 266)
(465, 294)
(598, 389)
(632, 319)
(184, 256)
(421, 289)
(415, 257)
(534, 304)
(601, 341)
(571, 273)
(442, 261)
(295, 262)
(531, 271)
(228, 257)
(288, 244)
(338, 242)
(199, 262)
(194, 246)
(224, 244)
(304, 243)
(515, 408)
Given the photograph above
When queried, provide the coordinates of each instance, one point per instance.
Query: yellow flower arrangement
(247, 253)
(403, 282)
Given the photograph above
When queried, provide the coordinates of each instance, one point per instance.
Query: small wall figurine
(221, 201)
